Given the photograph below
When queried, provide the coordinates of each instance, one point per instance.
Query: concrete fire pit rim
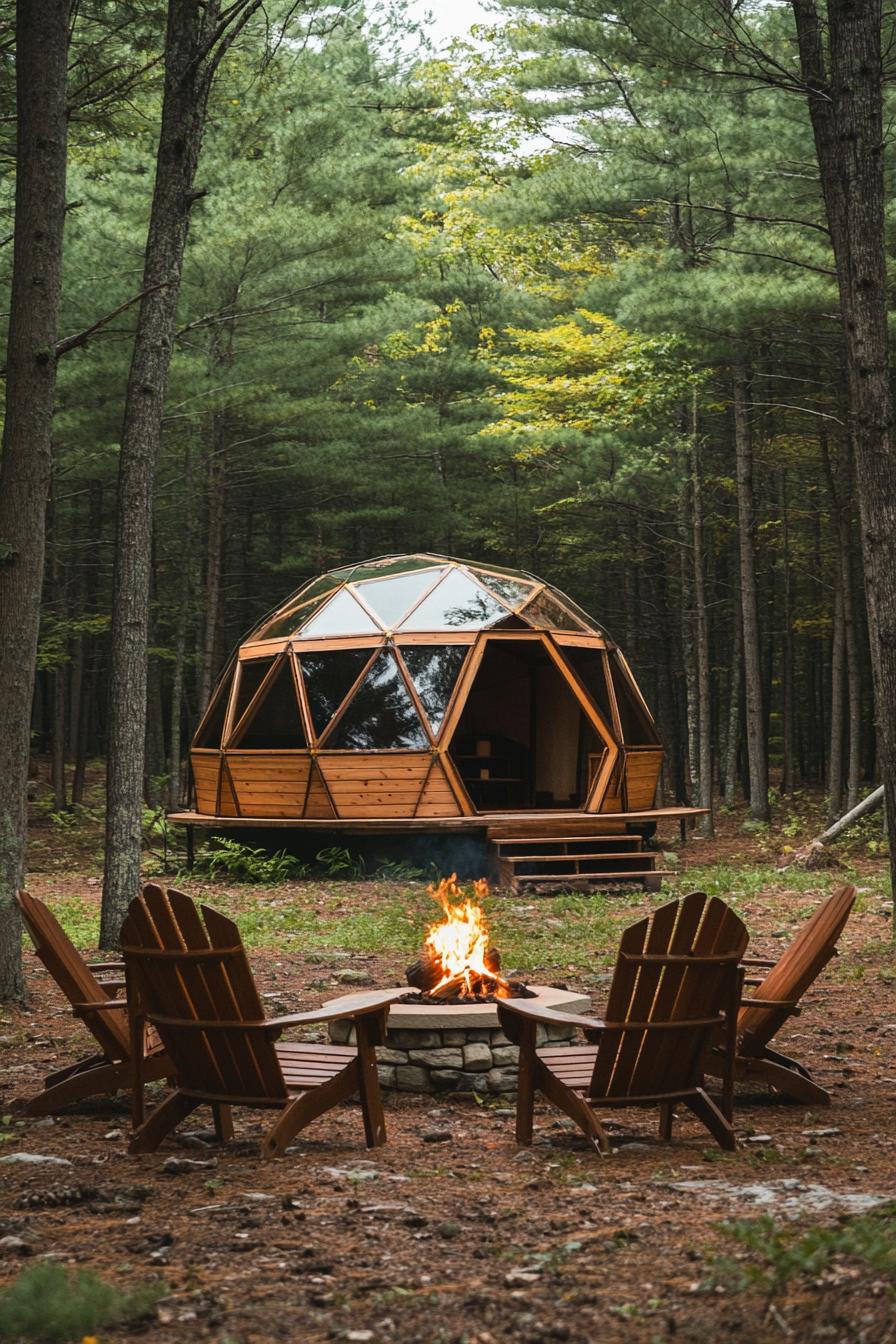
(460, 1017)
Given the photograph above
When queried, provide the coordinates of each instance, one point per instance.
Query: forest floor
(451, 1234)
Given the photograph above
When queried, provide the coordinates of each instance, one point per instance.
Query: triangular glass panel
(212, 725)
(288, 621)
(457, 603)
(252, 674)
(546, 613)
(276, 721)
(392, 597)
(341, 616)
(512, 591)
(588, 621)
(381, 713)
(328, 679)
(434, 669)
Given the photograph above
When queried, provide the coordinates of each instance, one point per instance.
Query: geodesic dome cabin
(421, 687)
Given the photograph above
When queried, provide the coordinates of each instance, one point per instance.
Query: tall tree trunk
(216, 491)
(701, 635)
(42, 37)
(687, 641)
(842, 68)
(835, 751)
(196, 38)
(787, 655)
(735, 695)
(757, 755)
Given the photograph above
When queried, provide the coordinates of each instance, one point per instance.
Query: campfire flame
(459, 946)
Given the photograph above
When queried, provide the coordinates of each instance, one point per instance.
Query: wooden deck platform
(533, 823)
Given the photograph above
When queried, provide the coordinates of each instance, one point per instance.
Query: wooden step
(615, 844)
(651, 880)
(571, 856)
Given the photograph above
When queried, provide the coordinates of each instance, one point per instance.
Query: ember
(457, 964)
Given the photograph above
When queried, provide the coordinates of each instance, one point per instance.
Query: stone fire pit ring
(456, 1047)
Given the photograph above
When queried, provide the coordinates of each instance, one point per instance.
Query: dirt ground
(451, 1234)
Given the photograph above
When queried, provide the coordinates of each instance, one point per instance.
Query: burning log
(428, 971)
(457, 962)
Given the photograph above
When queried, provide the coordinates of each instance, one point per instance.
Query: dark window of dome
(433, 669)
(212, 726)
(251, 674)
(402, 564)
(590, 666)
(275, 721)
(512, 591)
(637, 728)
(381, 713)
(545, 612)
(328, 679)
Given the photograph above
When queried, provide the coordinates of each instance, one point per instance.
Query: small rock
(819, 1133)
(35, 1159)
(114, 1134)
(438, 1136)
(353, 977)
(179, 1166)
(360, 1335)
(759, 1138)
(448, 1230)
(518, 1276)
(15, 1246)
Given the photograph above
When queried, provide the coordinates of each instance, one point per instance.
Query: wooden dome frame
(316, 782)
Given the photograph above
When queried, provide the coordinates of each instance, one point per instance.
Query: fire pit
(445, 1037)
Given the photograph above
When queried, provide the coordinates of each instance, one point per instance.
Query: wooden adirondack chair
(777, 997)
(676, 984)
(188, 975)
(104, 1015)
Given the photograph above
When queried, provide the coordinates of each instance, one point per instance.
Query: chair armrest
(536, 1013)
(82, 1009)
(354, 1005)
(751, 1001)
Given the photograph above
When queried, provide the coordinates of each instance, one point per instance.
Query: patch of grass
(773, 1253)
(49, 1305)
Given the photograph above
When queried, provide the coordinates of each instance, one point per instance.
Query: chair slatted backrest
(678, 965)
(196, 987)
(798, 966)
(74, 977)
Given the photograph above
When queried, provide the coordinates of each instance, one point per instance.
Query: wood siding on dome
(642, 772)
(269, 783)
(437, 798)
(206, 765)
(375, 784)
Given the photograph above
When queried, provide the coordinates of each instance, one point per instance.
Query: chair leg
(369, 1090)
(708, 1112)
(576, 1108)
(166, 1116)
(105, 1078)
(788, 1081)
(291, 1119)
(223, 1120)
(667, 1115)
(525, 1087)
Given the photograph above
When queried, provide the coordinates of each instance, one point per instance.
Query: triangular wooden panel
(269, 783)
(374, 784)
(318, 804)
(437, 798)
(228, 807)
